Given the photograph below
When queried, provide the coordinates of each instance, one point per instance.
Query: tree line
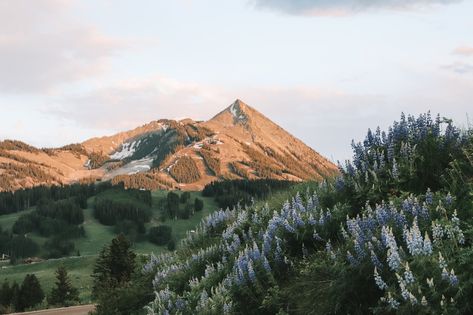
(23, 199)
(28, 295)
(231, 192)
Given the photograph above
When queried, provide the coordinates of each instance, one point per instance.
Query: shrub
(160, 235)
(198, 205)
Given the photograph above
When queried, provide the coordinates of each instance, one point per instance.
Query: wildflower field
(391, 234)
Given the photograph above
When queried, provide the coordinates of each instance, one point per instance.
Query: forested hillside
(391, 235)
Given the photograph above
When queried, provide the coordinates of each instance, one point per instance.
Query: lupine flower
(437, 232)
(423, 301)
(288, 227)
(375, 260)
(266, 265)
(429, 198)
(414, 239)
(445, 274)
(227, 308)
(395, 170)
(379, 281)
(251, 271)
(351, 259)
(394, 261)
(408, 276)
(430, 282)
(392, 302)
(442, 262)
(427, 248)
(453, 278)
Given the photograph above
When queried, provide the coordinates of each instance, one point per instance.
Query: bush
(185, 196)
(130, 229)
(109, 211)
(160, 235)
(172, 204)
(172, 245)
(198, 205)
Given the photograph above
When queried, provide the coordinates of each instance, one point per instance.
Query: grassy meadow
(97, 236)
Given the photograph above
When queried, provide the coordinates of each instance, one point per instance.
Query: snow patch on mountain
(127, 150)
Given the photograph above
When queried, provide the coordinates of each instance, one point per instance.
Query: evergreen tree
(198, 205)
(15, 296)
(31, 293)
(185, 196)
(63, 294)
(173, 204)
(114, 266)
(5, 294)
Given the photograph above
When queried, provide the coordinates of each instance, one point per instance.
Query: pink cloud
(463, 51)
(43, 46)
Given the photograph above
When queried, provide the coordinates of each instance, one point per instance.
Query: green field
(97, 236)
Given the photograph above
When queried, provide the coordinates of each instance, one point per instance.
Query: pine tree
(15, 296)
(114, 266)
(64, 294)
(31, 293)
(5, 295)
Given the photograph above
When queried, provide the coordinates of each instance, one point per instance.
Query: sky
(324, 70)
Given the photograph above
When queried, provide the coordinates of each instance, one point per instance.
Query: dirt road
(73, 310)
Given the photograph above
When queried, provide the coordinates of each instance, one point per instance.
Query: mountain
(237, 143)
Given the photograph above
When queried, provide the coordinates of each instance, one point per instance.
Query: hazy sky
(325, 70)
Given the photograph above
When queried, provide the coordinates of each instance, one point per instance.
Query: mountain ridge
(237, 143)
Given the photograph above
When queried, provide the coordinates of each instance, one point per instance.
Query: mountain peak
(239, 142)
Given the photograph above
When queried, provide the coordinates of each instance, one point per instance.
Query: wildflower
(288, 227)
(423, 301)
(445, 274)
(408, 276)
(395, 170)
(437, 233)
(394, 260)
(266, 265)
(427, 248)
(448, 199)
(251, 271)
(414, 239)
(379, 281)
(392, 302)
(351, 259)
(375, 260)
(442, 262)
(227, 308)
(429, 198)
(430, 282)
(453, 278)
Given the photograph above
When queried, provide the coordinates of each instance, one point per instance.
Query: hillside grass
(97, 236)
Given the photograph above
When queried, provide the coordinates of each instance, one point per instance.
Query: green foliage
(114, 267)
(31, 293)
(385, 237)
(160, 235)
(172, 204)
(198, 205)
(110, 211)
(63, 294)
(185, 196)
(231, 192)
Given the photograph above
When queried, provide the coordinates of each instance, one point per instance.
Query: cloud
(127, 104)
(320, 117)
(463, 51)
(42, 46)
(459, 67)
(341, 7)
